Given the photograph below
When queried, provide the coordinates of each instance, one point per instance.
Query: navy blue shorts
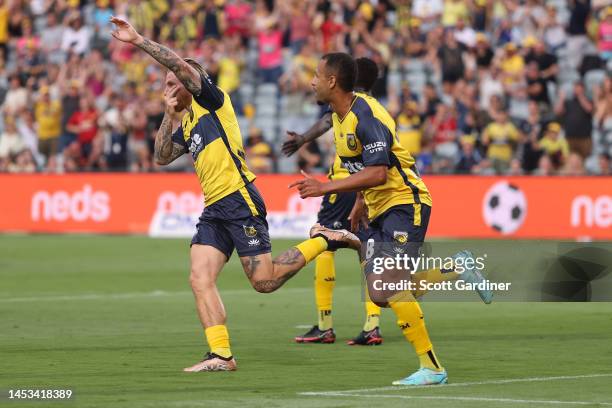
(335, 210)
(229, 223)
(399, 230)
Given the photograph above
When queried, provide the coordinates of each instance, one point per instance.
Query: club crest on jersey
(400, 237)
(249, 231)
(351, 141)
(196, 140)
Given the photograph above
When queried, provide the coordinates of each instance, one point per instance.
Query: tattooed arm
(166, 150)
(168, 58)
(188, 75)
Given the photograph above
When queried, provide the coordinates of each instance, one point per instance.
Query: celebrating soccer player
(336, 212)
(397, 200)
(235, 214)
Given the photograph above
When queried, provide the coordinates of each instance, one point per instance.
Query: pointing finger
(296, 183)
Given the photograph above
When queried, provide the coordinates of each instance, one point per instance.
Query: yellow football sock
(372, 320)
(411, 322)
(431, 276)
(218, 340)
(372, 314)
(312, 247)
(325, 280)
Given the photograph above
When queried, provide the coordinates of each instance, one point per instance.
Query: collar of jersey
(350, 109)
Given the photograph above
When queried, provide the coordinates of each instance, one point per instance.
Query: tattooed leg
(267, 275)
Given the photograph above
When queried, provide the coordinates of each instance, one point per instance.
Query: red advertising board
(464, 206)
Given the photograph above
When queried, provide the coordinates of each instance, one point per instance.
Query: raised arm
(188, 75)
(295, 141)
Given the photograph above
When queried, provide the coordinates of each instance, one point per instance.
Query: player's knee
(381, 303)
(201, 277)
(378, 298)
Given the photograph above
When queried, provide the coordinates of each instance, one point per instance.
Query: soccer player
(335, 212)
(235, 214)
(397, 200)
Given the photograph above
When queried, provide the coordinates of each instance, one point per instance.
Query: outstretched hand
(292, 144)
(124, 31)
(308, 186)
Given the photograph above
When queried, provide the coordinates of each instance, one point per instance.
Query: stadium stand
(477, 86)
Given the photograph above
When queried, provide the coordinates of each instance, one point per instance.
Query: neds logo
(185, 202)
(591, 212)
(79, 206)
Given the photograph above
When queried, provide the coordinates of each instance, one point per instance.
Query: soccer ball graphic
(504, 207)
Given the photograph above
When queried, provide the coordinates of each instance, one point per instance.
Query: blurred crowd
(476, 86)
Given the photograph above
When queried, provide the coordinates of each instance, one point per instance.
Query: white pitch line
(482, 399)
(132, 295)
(93, 296)
(464, 384)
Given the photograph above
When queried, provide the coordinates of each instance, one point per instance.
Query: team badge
(249, 231)
(351, 141)
(400, 237)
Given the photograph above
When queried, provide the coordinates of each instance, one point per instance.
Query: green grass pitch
(113, 319)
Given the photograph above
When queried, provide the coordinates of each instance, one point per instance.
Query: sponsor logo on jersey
(353, 167)
(254, 242)
(375, 147)
(196, 140)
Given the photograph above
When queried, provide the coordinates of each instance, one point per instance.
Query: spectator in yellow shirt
(454, 10)
(180, 29)
(230, 66)
(259, 154)
(512, 65)
(554, 145)
(48, 114)
(409, 130)
(500, 137)
(4, 14)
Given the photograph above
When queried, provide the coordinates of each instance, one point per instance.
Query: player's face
(320, 84)
(183, 95)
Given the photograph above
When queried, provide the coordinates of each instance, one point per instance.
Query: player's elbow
(378, 176)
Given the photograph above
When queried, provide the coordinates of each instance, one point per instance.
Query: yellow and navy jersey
(337, 171)
(366, 137)
(212, 136)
